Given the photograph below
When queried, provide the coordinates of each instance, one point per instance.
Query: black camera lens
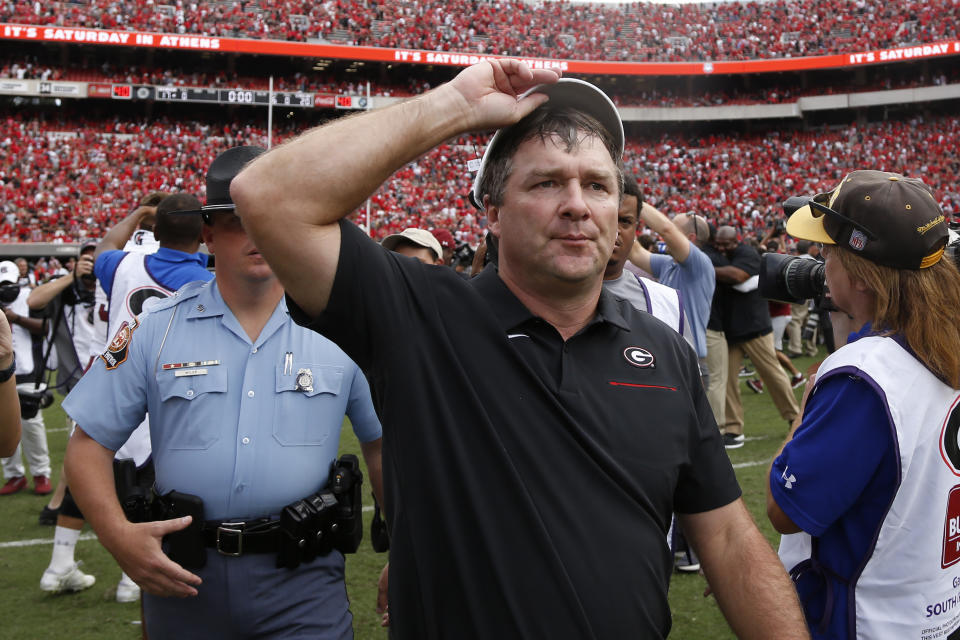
(790, 278)
(9, 292)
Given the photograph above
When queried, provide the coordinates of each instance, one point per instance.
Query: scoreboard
(297, 99)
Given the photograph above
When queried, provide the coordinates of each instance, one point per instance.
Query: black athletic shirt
(530, 481)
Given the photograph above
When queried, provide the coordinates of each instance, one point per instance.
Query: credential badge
(305, 380)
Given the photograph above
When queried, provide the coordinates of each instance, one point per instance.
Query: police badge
(305, 380)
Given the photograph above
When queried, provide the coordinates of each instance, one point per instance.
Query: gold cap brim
(806, 226)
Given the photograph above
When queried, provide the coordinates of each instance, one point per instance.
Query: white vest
(132, 286)
(101, 320)
(659, 300)
(141, 242)
(909, 588)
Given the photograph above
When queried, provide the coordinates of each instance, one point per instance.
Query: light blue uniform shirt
(696, 280)
(227, 420)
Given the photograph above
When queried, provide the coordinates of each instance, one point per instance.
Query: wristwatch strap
(5, 374)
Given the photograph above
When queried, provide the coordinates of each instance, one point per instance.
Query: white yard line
(38, 541)
(752, 463)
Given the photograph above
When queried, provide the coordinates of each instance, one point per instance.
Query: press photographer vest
(659, 300)
(909, 585)
(133, 277)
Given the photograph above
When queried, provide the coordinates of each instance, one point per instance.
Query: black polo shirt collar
(512, 313)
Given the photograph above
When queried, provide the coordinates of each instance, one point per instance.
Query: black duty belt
(237, 538)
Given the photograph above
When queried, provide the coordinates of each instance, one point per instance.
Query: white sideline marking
(753, 463)
(38, 541)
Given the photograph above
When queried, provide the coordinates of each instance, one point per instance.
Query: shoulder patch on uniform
(116, 353)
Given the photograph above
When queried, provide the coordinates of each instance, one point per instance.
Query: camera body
(952, 251)
(85, 289)
(462, 256)
(33, 398)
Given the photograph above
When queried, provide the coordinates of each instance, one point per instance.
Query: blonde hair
(916, 304)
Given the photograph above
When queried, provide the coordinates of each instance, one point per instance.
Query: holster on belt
(326, 520)
(185, 547)
(134, 498)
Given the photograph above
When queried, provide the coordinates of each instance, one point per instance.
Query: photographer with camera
(246, 410)
(867, 481)
(71, 295)
(68, 302)
(33, 442)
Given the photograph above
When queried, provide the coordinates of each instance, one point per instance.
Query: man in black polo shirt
(747, 327)
(521, 503)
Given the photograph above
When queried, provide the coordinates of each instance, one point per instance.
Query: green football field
(28, 613)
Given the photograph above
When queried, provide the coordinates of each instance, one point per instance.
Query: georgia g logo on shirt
(639, 357)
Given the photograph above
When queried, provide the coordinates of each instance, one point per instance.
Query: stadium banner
(99, 90)
(65, 89)
(377, 54)
(15, 86)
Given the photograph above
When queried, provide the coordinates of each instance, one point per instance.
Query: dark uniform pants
(248, 597)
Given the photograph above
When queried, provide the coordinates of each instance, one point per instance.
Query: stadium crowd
(67, 180)
(637, 31)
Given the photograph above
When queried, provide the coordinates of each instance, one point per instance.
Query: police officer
(246, 409)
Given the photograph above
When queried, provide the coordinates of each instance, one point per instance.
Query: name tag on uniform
(187, 365)
(189, 372)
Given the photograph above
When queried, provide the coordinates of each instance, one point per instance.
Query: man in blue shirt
(130, 278)
(686, 268)
(245, 412)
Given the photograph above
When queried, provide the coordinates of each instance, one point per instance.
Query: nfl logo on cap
(857, 240)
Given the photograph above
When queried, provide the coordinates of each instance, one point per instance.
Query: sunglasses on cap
(834, 222)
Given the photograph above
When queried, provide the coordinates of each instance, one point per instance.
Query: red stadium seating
(636, 32)
(69, 180)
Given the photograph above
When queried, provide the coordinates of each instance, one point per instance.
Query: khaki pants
(775, 381)
(717, 364)
(794, 331)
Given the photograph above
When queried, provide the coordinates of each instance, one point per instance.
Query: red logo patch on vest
(116, 353)
(951, 530)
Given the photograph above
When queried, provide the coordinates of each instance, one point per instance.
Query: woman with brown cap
(869, 480)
